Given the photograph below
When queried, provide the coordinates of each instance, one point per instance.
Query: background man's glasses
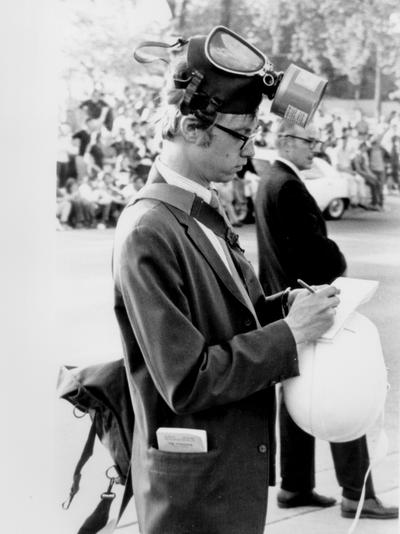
(312, 143)
(247, 139)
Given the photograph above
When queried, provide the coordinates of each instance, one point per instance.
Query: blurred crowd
(104, 153)
(103, 156)
(367, 150)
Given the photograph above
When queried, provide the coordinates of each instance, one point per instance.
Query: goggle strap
(191, 90)
(146, 58)
(182, 83)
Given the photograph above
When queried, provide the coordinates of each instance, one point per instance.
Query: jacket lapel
(201, 242)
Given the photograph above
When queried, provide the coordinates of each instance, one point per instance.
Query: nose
(248, 149)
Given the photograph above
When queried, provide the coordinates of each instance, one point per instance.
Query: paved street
(87, 333)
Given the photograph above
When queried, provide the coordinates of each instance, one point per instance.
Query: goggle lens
(229, 52)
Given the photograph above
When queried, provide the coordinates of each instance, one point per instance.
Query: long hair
(169, 113)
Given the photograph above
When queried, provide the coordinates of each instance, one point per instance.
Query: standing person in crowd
(394, 157)
(100, 152)
(362, 167)
(259, 139)
(203, 346)
(377, 155)
(342, 156)
(122, 145)
(66, 151)
(83, 137)
(322, 152)
(292, 244)
(97, 108)
(360, 125)
(250, 185)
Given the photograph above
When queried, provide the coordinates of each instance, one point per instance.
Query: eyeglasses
(312, 143)
(247, 139)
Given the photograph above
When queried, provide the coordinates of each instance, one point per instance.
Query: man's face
(301, 146)
(225, 155)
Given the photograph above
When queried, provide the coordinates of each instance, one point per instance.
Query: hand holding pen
(306, 286)
(308, 317)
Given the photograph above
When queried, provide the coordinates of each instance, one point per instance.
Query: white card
(181, 440)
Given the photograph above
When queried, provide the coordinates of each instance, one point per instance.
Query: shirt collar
(289, 164)
(174, 178)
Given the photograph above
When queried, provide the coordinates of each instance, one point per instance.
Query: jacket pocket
(181, 463)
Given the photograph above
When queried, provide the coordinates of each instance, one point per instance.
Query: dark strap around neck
(192, 205)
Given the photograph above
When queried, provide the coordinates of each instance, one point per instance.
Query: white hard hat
(342, 386)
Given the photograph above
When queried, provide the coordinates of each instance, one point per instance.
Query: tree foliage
(345, 41)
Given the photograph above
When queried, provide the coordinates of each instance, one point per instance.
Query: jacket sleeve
(313, 256)
(189, 373)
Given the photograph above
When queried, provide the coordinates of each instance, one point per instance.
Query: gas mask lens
(231, 53)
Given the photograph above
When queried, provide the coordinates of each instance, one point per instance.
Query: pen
(306, 286)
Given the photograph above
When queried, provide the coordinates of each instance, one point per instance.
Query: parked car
(329, 187)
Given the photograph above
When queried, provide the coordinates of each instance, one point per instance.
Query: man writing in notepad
(203, 346)
(293, 244)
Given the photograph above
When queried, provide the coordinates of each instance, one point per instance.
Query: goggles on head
(228, 74)
(229, 52)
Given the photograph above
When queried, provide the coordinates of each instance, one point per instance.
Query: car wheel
(335, 209)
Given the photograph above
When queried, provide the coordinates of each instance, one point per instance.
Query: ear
(190, 129)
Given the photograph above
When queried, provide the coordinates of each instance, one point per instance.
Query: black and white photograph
(201, 266)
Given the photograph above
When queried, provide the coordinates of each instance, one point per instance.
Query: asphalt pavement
(87, 327)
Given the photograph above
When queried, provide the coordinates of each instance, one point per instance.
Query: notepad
(181, 440)
(353, 293)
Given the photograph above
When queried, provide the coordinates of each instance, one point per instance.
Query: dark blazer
(195, 360)
(291, 233)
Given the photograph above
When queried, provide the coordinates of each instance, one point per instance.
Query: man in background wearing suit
(293, 244)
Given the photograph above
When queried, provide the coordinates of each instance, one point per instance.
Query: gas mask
(225, 73)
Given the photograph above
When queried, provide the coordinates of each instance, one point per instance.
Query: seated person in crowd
(63, 209)
(136, 183)
(123, 170)
(82, 212)
(109, 199)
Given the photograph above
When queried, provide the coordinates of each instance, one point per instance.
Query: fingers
(328, 291)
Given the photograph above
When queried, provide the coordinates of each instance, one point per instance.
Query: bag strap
(99, 517)
(86, 454)
(192, 205)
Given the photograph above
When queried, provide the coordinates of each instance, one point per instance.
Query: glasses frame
(266, 66)
(312, 143)
(237, 135)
